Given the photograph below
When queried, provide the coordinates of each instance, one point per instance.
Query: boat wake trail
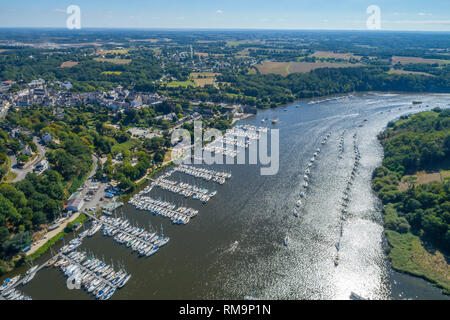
(232, 248)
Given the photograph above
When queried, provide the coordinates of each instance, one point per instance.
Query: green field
(126, 146)
(185, 84)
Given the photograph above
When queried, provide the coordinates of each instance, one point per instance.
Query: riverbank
(407, 255)
(41, 246)
(414, 219)
(141, 183)
(256, 211)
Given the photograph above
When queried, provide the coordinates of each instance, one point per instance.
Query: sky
(426, 15)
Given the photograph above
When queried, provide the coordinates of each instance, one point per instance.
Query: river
(256, 211)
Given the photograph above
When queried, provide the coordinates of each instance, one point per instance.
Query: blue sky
(429, 15)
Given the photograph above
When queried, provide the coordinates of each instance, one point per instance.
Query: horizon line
(219, 29)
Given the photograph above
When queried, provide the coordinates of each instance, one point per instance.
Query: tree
(159, 156)
(17, 243)
(23, 158)
(4, 234)
(8, 210)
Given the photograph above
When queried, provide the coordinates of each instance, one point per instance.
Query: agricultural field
(329, 54)
(399, 71)
(201, 79)
(407, 60)
(237, 43)
(286, 68)
(206, 41)
(175, 84)
(114, 51)
(419, 178)
(114, 61)
(68, 64)
(147, 40)
(112, 72)
(268, 67)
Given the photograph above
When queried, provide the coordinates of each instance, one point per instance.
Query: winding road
(22, 173)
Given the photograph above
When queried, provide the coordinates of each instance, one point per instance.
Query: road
(95, 202)
(22, 173)
(183, 123)
(100, 194)
(4, 111)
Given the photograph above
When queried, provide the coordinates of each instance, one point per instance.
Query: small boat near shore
(354, 296)
(336, 261)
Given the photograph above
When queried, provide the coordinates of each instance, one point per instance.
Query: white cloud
(424, 14)
(59, 10)
(219, 11)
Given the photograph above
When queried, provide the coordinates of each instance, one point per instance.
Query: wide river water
(256, 211)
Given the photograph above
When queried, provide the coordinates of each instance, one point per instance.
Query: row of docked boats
(233, 141)
(346, 196)
(93, 275)
(31, 273)
(248, 131)
(8, 283)
(146, 243)
(185, 189)
(7, 289)
(181, 215)
(239, 136)
(306, 180)
(307, 176)
(96, 226)
(15, 294)
(220, 150)
(73, 244)
(325, 140)
(341, 145)
(204, 173)
(330, 99)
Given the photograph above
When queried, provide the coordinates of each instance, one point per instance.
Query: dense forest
(272, 90)
(39, 199)
(415, 143)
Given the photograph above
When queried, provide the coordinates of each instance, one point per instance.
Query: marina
(92, 274)
(146, 243)
(185, 189)
(235, 140)
(181, 215)
(254, 214)
(205, 174)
